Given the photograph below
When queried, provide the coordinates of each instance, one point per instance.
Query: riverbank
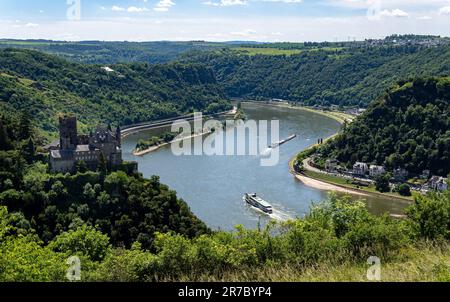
(320, 185)
(338, 116)
(325, 182)
(168, 122)
(157, 147)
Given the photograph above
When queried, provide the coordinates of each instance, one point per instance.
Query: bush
(430, 215)
(404, 190)
(379, 236)
(382, 183)
(23, 259)
(84, 241)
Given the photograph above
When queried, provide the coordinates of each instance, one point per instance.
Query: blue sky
(221, 20)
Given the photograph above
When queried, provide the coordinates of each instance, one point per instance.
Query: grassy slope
(414, 264)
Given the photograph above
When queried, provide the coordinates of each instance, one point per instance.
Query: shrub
(382, 183)
(85, 241)
(404, 190)
(430, 215)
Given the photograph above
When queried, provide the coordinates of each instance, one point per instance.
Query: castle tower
(68, 132)
(119, 136)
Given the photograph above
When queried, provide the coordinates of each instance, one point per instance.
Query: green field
(267, 51)
(273, 51)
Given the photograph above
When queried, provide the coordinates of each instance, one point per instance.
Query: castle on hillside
(74, 148)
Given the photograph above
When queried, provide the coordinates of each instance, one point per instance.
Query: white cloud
(226, 3)
(131, 9)
(244, 33)
(31, 25)
(163, 5)
(116, 8)
(245, 2)
(389, 4)
(284, 1)
(445, 10)
(394, 13)
(134, 9)
(228, 28)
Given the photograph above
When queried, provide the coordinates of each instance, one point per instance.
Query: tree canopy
(409, 127)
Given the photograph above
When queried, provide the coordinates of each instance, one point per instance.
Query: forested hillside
(124, 94)
(326, 76)
(122, 205)
(347, 74)
(408, 128)
(126, 228)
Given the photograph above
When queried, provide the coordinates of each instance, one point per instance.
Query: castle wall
(74, 148)
(61, 165)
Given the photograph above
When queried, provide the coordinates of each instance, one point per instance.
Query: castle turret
(68, 132)
(118, 136)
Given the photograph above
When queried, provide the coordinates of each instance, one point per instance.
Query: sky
(221, 20)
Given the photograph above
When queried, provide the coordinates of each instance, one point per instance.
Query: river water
(213, 186)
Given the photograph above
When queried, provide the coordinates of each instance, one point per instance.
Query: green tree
(5, 143)
(29, 151)
(382, 183)
(404, 190)
(84, 241)
(430, 215)
(81, 166)
(25, 125)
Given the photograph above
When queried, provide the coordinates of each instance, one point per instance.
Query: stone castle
(74, 148)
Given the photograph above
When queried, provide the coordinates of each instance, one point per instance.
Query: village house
(331, 165)
(425, 174)
(355, 111)
(375, 170)
(400, 174)
(360, 169)
(438, 183)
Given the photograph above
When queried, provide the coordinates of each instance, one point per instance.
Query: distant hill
(124, 94)
(331, 75)
(102, 52)
(409, 127)
(312, 73)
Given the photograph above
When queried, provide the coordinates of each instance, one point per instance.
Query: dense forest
(122, 205)
(409, 127)
(326, 76)
(327, 73)
(126, 228)
(102, 52)
(123, 94)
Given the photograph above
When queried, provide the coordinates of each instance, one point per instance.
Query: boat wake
(280, 216)
(266, 152)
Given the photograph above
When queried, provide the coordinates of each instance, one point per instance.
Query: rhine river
(213, 186)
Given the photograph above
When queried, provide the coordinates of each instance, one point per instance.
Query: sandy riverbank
(320, 185)
(314, 183)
